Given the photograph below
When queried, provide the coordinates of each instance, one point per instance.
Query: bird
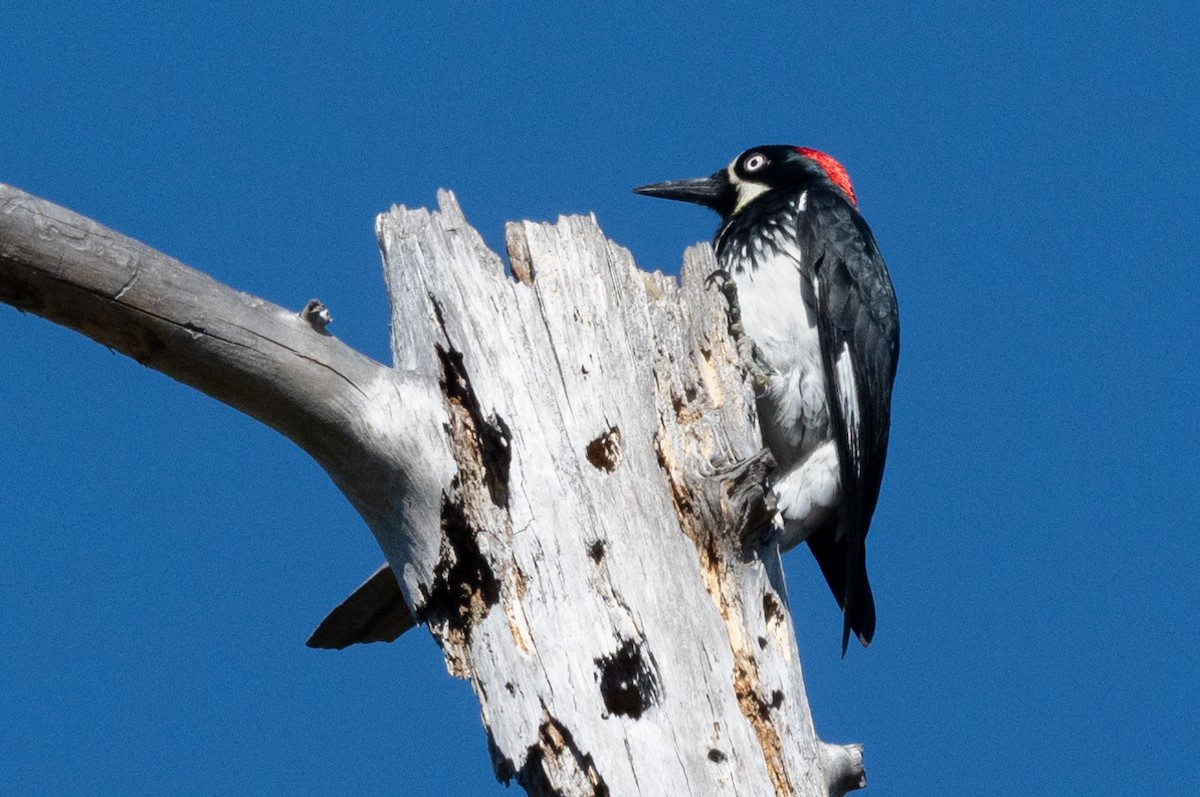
(816, 299)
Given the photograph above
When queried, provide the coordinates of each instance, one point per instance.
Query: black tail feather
(845, 570)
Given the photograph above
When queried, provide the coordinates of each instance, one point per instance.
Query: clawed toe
(720, 274)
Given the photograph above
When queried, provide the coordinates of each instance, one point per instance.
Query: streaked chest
(764, 259)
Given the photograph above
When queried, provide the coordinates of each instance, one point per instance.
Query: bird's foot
(751, 358)
(720, 274)
(747, 497)
(748, 352)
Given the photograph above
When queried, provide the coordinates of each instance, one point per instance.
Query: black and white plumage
(817, 300)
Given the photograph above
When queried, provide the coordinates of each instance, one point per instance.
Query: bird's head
(754, 173)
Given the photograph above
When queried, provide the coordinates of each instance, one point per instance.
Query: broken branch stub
(603, 573)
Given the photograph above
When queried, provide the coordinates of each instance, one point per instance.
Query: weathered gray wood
(620, 637)
(562, 469)
(375, 430)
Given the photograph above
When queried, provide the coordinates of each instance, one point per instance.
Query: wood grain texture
(623, 619)
(562, 468)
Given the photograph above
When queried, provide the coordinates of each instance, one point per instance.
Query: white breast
(793, 410)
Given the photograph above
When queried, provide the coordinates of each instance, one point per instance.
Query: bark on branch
(563, 471)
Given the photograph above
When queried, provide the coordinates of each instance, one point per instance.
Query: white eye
(754, 162)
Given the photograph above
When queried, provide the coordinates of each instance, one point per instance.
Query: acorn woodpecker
(817, 302)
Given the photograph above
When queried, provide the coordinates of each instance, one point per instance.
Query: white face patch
(747, 191)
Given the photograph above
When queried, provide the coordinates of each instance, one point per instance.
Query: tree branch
(335, 403)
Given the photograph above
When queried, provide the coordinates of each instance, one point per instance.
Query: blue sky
(1030, 174)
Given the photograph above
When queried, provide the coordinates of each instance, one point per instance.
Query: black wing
(853, 300)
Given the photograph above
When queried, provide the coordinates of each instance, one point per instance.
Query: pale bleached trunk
(562, 469)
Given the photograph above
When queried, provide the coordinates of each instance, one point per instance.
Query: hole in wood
(627, 683)
(605, 451)
(596, 551)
